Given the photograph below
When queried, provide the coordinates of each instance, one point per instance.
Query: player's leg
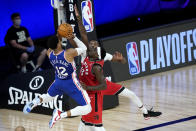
(75, 91)
(79, 110)
(117, 89)
(94, 118)
(131, 95)
(44, 98)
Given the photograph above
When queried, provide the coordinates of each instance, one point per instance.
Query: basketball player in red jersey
(112, 88)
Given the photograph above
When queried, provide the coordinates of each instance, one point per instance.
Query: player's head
(93, 43)
(15, 17)
(20, 128)
(95, 51)
(53, 42)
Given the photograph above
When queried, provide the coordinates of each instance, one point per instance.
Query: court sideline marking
(166, 123)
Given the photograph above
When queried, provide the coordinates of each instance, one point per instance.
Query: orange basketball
(65, 30)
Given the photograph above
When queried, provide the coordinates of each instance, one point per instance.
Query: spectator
(22, 45)
(20, 128)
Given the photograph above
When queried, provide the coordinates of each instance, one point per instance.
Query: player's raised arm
(73, 52)
(82, 29)
(98, 72)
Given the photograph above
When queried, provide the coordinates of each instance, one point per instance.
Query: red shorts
(94, 118)
(112, 88)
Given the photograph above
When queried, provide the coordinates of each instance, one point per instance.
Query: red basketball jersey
(86, 75)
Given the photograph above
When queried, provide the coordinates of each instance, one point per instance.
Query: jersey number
(61, 71)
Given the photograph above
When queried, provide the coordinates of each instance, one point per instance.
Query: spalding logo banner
(18, 92)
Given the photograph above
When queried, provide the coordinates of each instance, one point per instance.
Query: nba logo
(133, 60)
(87, 15)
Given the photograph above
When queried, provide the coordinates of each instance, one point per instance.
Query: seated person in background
(22, 45)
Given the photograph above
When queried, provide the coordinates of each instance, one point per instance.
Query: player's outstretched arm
(97, 71)
(116, 57)
(82, 30)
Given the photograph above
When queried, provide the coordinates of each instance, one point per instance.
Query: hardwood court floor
(172, 92)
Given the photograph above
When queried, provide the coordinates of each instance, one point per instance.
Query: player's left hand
(76, 11)
(83, 85)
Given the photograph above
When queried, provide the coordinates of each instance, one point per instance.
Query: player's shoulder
(70, 50)
(69, 54)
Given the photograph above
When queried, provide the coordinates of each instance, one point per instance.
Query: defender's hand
(76, 11)
(83, 85)
(119, 57)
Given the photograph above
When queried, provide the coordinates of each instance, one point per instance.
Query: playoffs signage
(163, 51)
(154, 50)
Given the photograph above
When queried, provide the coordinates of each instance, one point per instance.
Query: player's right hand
(71, 36)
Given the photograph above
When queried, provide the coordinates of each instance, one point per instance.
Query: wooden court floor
(173, 93)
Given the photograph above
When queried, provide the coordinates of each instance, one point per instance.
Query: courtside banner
(21, 88)
(154, 50)
(18, 89)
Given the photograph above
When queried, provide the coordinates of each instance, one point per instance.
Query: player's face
(92, 53)
(93, 43)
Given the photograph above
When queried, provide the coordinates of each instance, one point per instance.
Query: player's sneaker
(55, 117)
(28, 107)
(151, 113)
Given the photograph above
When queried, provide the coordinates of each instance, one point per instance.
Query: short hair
(20, 128)
(52, 42)
(14, 15)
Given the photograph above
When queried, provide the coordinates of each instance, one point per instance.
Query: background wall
(36, 15)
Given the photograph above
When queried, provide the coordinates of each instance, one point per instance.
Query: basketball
(65, 30)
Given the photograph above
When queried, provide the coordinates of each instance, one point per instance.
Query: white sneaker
(55, 117)
(28, 107)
